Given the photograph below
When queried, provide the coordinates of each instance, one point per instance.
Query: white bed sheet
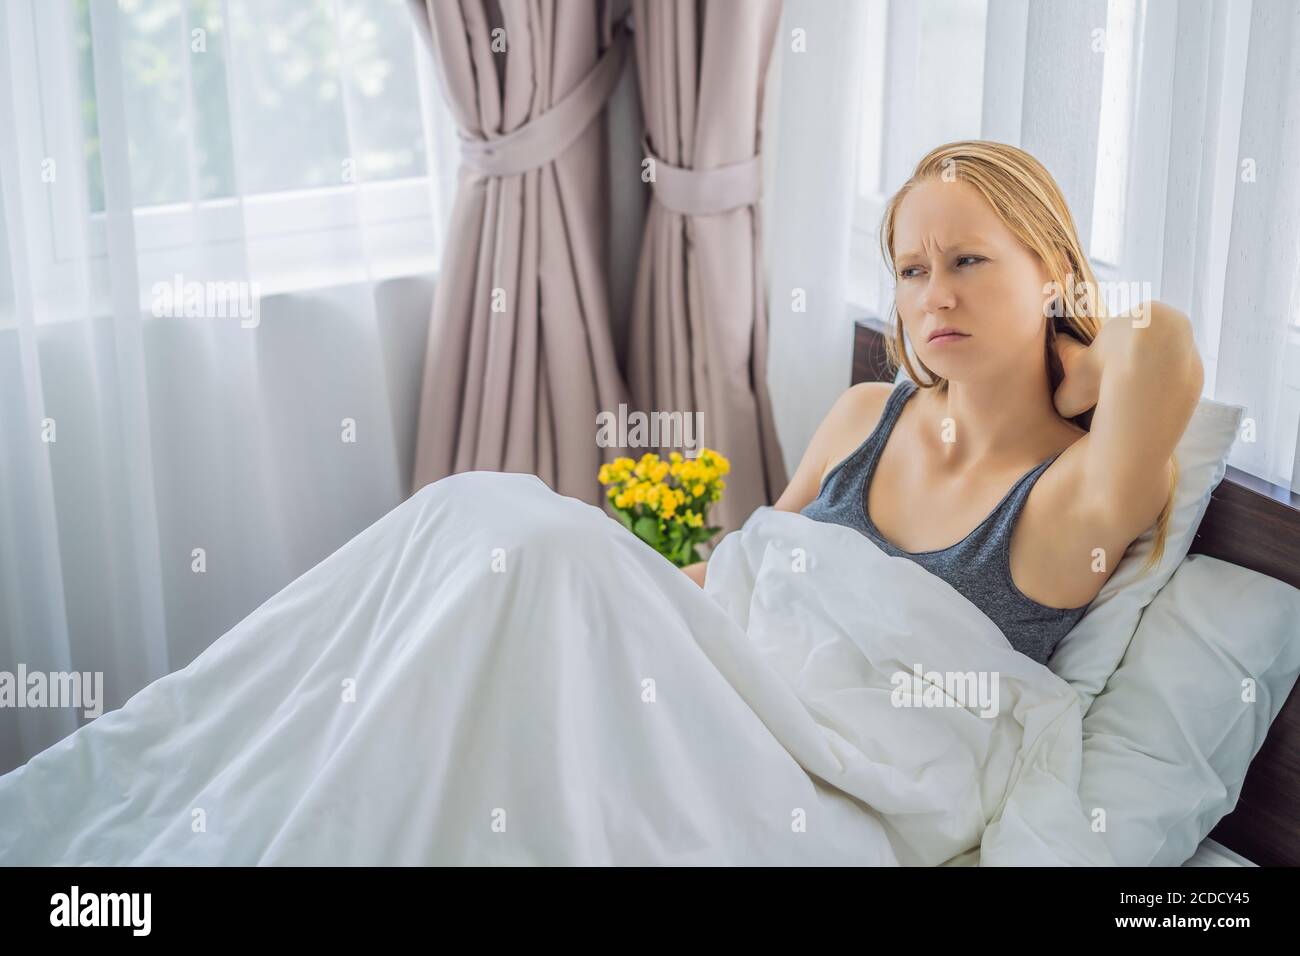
(493, 673)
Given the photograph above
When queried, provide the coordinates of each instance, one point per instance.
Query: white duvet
(496, 674)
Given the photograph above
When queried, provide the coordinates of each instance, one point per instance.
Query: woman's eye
(907, 273)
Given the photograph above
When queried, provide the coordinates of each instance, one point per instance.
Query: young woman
(1035, 442)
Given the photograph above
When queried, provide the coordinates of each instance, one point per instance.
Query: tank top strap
(1009, 508)
(875, 443)
(893, 408)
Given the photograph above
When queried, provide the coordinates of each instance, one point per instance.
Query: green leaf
(647, 529)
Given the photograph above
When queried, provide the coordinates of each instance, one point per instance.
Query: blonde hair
(1027, 199)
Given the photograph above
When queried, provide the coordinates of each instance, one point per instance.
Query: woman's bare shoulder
(853, 418)
(868, 401)
(850, 420)
(877, 392)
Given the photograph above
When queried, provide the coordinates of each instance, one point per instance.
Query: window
(922, 85)
(305, 70)
(300, 126)
(1113, 134)
(871, 114)
(927, 62)
(949, 73)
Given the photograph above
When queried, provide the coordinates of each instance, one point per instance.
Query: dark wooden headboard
(1253, 524)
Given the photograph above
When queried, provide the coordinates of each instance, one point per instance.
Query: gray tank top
(978, 566)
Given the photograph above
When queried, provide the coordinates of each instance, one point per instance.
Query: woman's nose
(937, 294)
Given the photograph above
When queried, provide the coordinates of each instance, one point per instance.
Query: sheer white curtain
(1171, 125)
(818, 59)
(200, 201)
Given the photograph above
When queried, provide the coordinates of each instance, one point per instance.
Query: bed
(496, 674)
(1255, 525)
(1213, 853)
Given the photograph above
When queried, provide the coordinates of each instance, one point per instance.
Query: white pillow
(1089, 654)
(1167, 744)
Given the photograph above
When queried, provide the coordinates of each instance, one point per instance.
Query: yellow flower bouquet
(664, 503)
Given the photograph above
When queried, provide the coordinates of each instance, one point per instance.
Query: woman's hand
(1080, 387)
(696, 571)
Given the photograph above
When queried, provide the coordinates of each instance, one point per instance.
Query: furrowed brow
(954, 244)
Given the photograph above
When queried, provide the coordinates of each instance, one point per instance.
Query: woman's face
(958, 266)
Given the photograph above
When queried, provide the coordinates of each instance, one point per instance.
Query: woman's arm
(1144, 376)
(696, 571)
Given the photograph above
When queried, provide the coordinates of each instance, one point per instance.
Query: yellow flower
(715, 460)
(675, 490)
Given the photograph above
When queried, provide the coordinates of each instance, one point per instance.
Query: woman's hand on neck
(1081, 387)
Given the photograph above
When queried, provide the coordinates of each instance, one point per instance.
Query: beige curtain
(520, 358)
(698, 332)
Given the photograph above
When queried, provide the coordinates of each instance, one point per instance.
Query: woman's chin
(946, 368)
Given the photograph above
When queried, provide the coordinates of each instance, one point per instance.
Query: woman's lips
(948, 337)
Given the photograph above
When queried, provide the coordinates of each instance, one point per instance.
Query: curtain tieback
(705, 192)
(541, 140)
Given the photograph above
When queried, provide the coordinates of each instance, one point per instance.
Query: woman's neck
(1004, 417)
